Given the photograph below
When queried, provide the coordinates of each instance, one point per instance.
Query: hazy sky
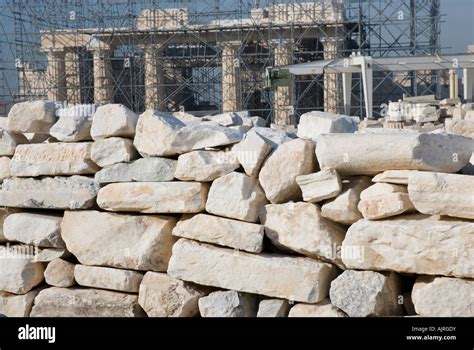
(458, 30)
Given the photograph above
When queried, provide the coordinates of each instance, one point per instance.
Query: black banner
(408, 332)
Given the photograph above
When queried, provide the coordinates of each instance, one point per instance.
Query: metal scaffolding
(207, 56)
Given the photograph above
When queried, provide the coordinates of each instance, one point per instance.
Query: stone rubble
(105, 213)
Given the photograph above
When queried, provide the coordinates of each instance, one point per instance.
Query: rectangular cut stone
(32, 117)
(383, 200)
(75, 192)
(136, 242)
(113, 120)
(318, 186)
(108, 278)
(292, 278)
(443, 297)
(411, 244)
(301, 228)
(236, 196)
(53, 159)
(442, 194)
(222, 231)
(156, 132)
(35, 229)
(370, 154)
(154, 197)
(154, 169)
(113, 150)
(205, 165)
(205, 134)
(75, 302)
(281, 168)
(460, 127)
(74, 123)
(315, 123)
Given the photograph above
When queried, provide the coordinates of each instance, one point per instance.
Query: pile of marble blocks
(107, 213)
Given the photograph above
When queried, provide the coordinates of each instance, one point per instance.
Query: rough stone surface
(75, 192)
(72, 127)
(4, 168)
(13, 305)
(32, 116)
(35, 229)
(18, 274)
(442, 194)
(322, 309)
(113, 150)
(366, 293)
(273, 308)
(75, 302)
(186, 118)
(137, 242)
(154, 197)
(370, 154)
(272, 136)
(412, 244)
(108, 278)
(236, 196)
(251, 152)
(164, 296)
(398, 177)
(204, 135)
(383, 200)
(205, 165)
(443, 297)
(461, 127)
(278, 173)
(141, 170)
(343, 209)
(299, 279)
(222, 231)
(60, 273)
(9, 141)
(53, 159)
(228, 304)
(301, 228)
(314, 124)
(319, 186)
(113, 120)
(50, 254)
(155, 134)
